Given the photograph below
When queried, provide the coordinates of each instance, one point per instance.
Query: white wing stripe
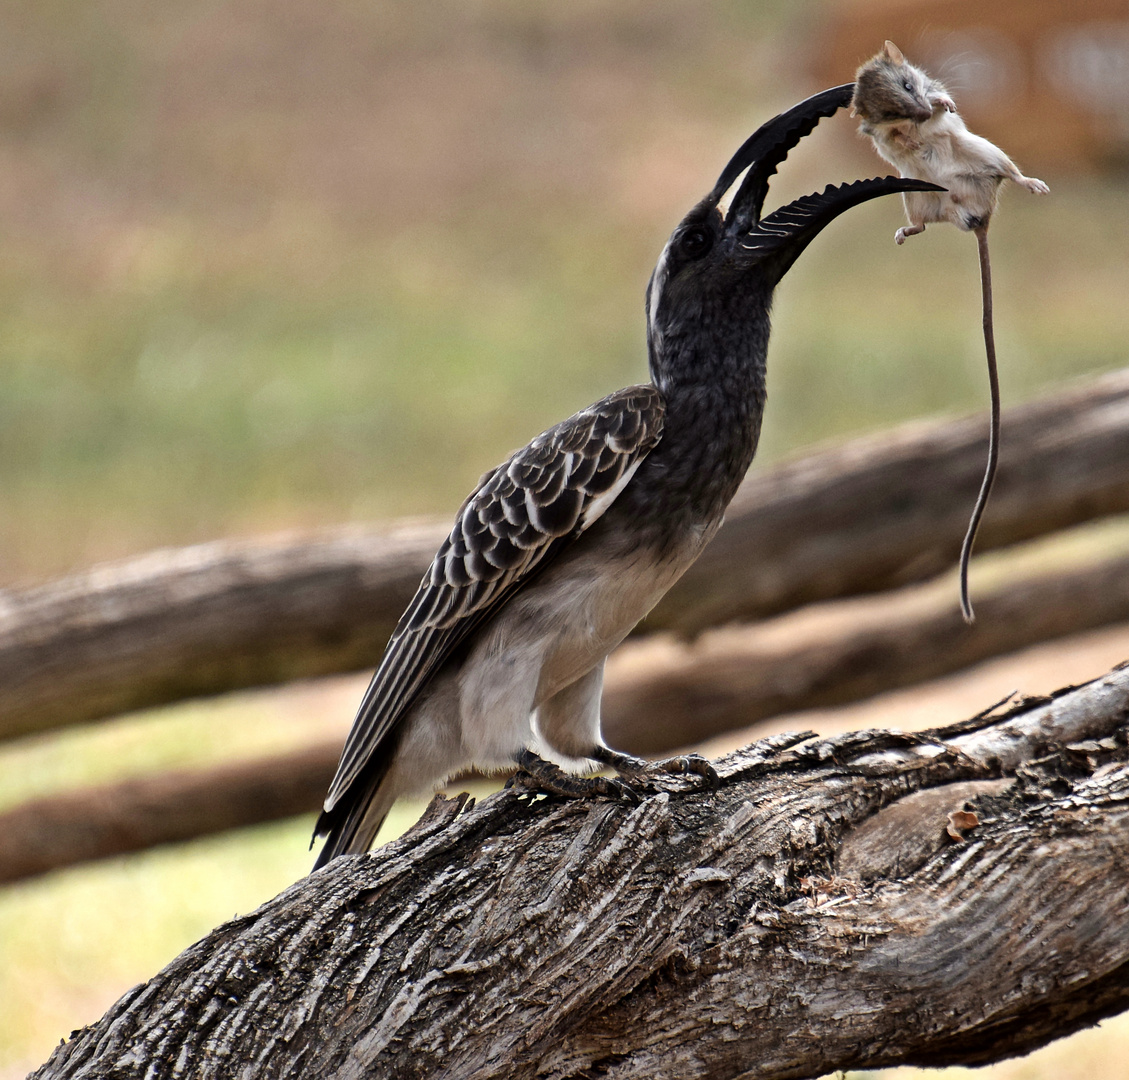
(598, 505)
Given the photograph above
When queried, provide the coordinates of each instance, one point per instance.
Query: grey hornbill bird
(563, 548)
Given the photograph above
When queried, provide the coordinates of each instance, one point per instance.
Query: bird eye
(695, 243)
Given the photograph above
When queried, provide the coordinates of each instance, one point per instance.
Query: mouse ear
(894, 53)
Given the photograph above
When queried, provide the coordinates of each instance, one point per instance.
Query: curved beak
(776, 241)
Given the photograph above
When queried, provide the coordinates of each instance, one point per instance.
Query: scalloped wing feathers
(520, 517)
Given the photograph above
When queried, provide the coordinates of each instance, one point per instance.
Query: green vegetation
(269, 270)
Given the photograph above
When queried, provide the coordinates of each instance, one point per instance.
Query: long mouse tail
(994, 429)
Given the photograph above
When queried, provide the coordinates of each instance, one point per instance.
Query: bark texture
(661, 694)
(778, 927)
(870, 515)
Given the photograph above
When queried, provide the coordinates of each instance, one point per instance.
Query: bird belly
(552, 633)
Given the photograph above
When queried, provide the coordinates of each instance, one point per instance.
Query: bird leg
(681, 765)
(537, 774)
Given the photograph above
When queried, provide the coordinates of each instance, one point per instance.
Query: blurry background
(272, 266)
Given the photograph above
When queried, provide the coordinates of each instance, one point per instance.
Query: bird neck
(714, 387)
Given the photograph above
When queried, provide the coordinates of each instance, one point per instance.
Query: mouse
(914, 124)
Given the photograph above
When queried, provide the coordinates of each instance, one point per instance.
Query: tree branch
(870, 515)
(660, 695)
(748, 931)
(47, 834)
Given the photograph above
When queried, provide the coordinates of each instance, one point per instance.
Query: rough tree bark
(865, 901)
(867, 516)
(661, 694)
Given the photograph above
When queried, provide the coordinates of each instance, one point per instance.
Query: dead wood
(660, 694)
(201, 620)
(699, 934)
(893, 509)
(870, 515)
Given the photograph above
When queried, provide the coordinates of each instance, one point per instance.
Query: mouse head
(889, 89)
(724, 259)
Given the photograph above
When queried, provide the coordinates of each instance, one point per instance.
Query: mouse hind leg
(922, 208)
(1036, 187)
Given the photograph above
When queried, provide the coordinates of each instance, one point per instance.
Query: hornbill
(565, 546)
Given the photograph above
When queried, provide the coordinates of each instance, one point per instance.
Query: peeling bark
(870, 515)
(699, 934)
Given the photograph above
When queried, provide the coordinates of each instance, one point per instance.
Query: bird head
(722, 262)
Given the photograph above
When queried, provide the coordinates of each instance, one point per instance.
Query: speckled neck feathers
(710, 369)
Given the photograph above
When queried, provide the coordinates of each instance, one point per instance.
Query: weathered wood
(695, 935)
(866, 516)
(200, 620)
(660, 694)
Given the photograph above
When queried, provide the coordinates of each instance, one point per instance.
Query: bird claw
(633, 768)
(619, 788)
(692, 765)
(537, 776)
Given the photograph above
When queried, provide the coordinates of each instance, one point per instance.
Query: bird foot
(681, 765)
(538, 775)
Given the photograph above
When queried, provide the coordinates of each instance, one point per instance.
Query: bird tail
(352, 824)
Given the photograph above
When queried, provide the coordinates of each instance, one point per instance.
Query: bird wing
(520, 517)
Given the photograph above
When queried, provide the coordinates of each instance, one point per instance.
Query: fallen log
(803, 918)
(660, 694)
(92, 823)
(867, 516)
(892, 509)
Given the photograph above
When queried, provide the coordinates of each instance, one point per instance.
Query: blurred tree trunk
(660, 695)
(952, 897)
(870, 515)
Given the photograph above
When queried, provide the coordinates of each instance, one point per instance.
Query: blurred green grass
(266, 269)
(225, 402)
(260, 276)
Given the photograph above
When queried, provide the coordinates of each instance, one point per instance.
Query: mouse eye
(908, 86)
(695, 242)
